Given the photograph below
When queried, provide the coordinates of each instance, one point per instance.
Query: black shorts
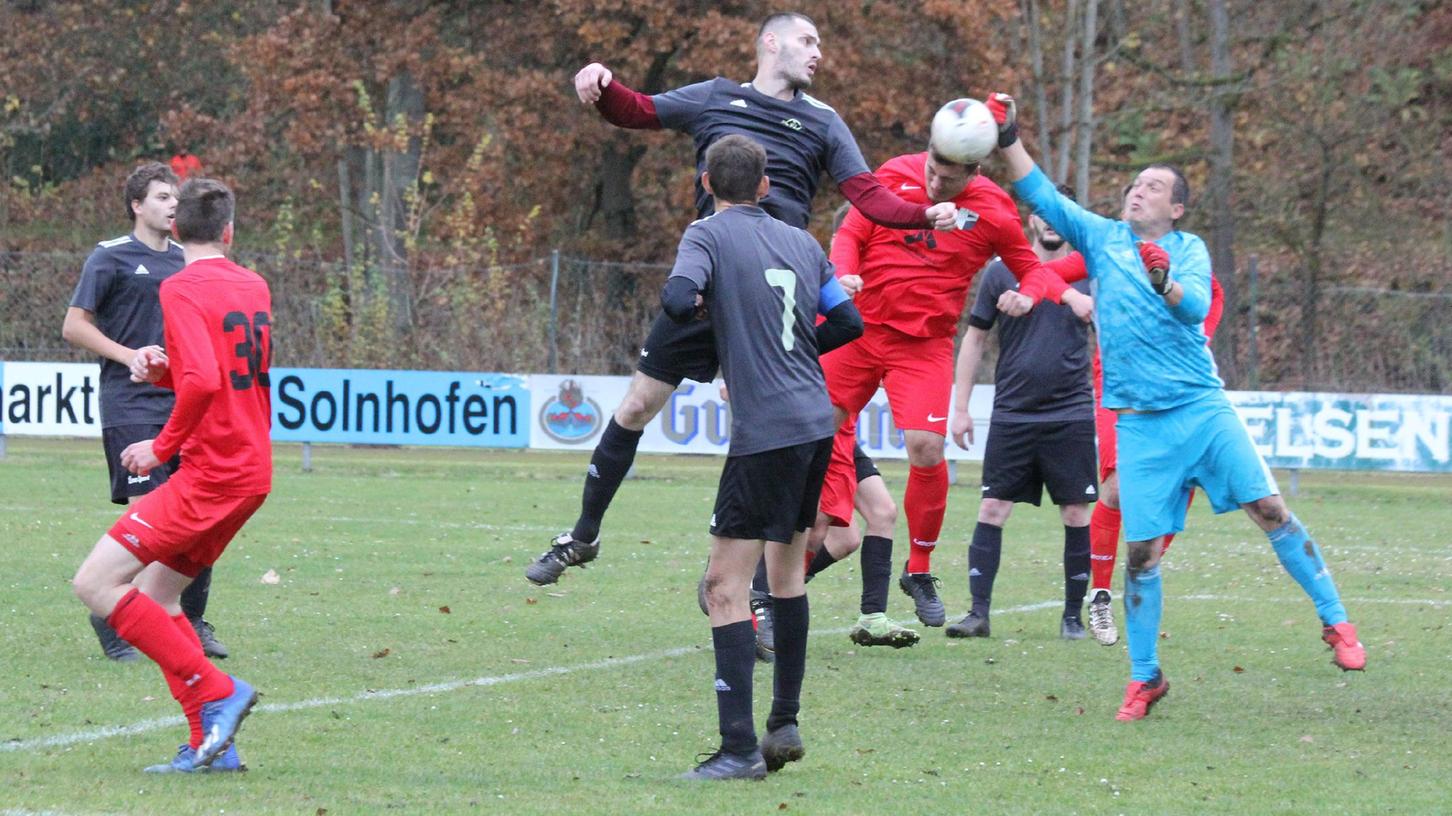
(771, 495)
(679, 351)
(124, 485)
(866, 468)
(1022, 458)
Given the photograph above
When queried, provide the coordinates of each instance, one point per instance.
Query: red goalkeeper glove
(1157, 261)
(1005, 113)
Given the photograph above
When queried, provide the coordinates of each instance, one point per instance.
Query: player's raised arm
(683, 296)
(596, 85)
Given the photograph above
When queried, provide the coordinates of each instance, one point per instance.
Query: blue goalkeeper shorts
(1164, 455)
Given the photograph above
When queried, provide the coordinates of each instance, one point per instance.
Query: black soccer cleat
(722, 765)
(972, 625)
(922, 587)
(782, 746)
(765, 627)
(111, 643)
(564, 552)
(1071, 628)
(208, 636)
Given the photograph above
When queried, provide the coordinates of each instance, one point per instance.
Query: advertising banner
(365, 406)
(50, 399)
(1349, 431)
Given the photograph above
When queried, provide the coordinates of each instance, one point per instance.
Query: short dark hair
(1180, 192)
(204, 208)
(783, 16)
(139, 182)
(736, 164)
(939, 158)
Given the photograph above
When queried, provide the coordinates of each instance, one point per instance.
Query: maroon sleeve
(880, 205)
(625, 108)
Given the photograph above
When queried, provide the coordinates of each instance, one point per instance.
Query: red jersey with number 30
(218, 325)
(917, 281)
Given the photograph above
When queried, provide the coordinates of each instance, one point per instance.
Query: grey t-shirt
(1043, 357)
(121, 284)
(802, 136)
(762, 282)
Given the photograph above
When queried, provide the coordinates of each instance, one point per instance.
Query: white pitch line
(96, 734)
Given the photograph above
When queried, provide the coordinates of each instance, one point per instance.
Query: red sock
(179, 691)
(925, 501)
(144, 624)
(1103, 545)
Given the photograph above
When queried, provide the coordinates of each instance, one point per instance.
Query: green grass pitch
(408, 667)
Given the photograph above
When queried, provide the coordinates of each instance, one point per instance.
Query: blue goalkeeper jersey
(1155, 356)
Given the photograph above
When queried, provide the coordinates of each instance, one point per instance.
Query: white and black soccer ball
(964, 131)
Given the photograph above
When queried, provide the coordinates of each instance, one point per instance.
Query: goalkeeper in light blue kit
(1177, 429)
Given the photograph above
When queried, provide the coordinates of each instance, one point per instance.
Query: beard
(1051, 244)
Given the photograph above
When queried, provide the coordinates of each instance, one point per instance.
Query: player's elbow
(678, 299)
(71, 328)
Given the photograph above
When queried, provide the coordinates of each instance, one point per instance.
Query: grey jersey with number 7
(762, 280)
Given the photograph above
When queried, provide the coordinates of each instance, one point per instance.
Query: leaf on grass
(1051, 698)
(782, 806)
(1079, 711)
(446, 610)
(321, 812)
(271, 577)
(381, 653)
(1238, 670)
(509, 559)
(1164, 635)
(531, 601)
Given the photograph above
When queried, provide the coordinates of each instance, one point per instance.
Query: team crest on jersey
(966, 218)
(570, 417)
(794, 124)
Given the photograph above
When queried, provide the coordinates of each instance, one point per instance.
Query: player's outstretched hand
(139, 458)
(851, 284)
(1079, 303)
(1015, 304)
(944, 215)
(590, 80)
(1157, 263)
(1005, 113)
(148, 364)
(959, 426)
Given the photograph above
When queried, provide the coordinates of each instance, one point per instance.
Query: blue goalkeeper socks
(1144, 603)
(1301, 557)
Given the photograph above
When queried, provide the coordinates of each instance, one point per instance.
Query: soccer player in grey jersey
(762, 282)
(114, 313)
(803, 138)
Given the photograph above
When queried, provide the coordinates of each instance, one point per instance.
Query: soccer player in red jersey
(217, 325)
(914, 283)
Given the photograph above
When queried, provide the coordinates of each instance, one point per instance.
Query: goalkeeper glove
(1157, 261)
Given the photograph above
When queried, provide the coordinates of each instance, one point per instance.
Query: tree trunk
(1040, 81)
(1218, 190)
(1066, 98)
(405, 103)
(1084, 140)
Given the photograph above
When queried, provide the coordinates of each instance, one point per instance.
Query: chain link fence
(582, 316)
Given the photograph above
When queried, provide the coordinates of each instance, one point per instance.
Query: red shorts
(1104, 425)
(839, 486)
(183, 525)
(917, 374)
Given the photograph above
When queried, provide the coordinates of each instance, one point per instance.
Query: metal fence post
(307, 457)
(554, 308)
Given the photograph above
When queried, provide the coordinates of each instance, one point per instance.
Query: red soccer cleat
(1140, 696)
(1349, 654)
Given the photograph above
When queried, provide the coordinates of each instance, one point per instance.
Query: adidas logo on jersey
(738, 103)
(1089, 491)
(142, 270)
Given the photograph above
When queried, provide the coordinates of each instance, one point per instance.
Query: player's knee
(1142, 554)
(1074, 515)
(1109, 492)
(719, 591)
(881, 515)
(925, 452)
(1269, 512)
(994, 511)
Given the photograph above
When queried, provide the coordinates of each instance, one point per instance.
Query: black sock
(608, 465)
(876, 573)
(1076, 569)
(820, 561)
(790, 616)
(759, 583)
(983, 564)
(194, 598)
(735, 645)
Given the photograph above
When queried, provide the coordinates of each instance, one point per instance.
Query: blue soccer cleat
(221, 719)
(185, 762)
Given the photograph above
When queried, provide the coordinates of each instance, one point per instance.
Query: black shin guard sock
(1076, 569)
(983, 556)
(790, 615)
(735, 645)
(820, 561)
(194, 598)
(608, 465)
(876, 573)
(759, 583)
